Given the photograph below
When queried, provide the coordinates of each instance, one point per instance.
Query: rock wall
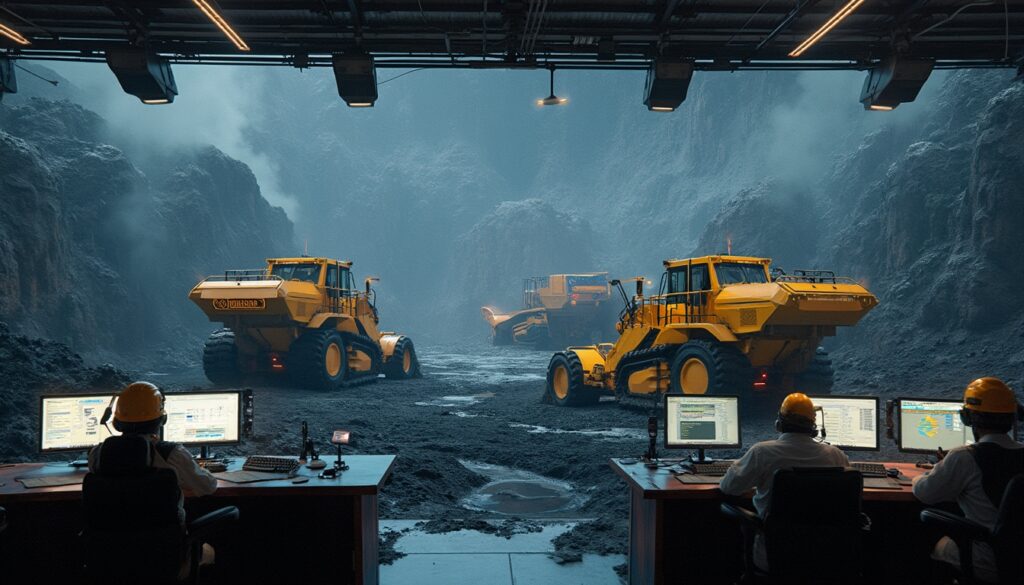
(95, 253)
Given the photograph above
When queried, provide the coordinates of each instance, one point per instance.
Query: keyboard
(270, 464)
(869, 469)
(713, 469)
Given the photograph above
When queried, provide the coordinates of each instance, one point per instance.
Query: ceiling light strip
(221, 24)
(825, 28)
(13, 35)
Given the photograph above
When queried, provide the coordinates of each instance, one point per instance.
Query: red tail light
(762, 379)
(275, 362)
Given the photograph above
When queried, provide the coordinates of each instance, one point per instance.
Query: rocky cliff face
(96, 254)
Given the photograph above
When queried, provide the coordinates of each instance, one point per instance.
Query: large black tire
(727, 370)
(308, 360)
(403, 363)
(565, 385)
(819, 377)
(220, 358)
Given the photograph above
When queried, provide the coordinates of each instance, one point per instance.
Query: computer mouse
(893, 472)
(316, 464)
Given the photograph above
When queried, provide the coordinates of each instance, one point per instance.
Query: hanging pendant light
(552, 99)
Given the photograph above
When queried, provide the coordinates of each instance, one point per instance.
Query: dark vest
(998, 466)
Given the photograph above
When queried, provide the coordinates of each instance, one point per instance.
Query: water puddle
(495, 366)
(519, 493)
(615, 433)
(456, 401)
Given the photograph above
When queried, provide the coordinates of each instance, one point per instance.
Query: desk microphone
(822, 433)
(652, 435)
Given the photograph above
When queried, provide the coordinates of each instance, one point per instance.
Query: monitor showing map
(925, 424)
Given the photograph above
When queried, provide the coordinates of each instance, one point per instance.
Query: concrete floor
(469, 556)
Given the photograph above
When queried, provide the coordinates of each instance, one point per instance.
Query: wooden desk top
(660, 483)
(365, 476)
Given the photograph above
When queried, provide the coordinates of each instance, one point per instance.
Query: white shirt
(192, 479)
(957, 478)
(758, 466)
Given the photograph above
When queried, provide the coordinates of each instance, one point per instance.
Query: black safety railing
(244, 275)
(814, 277)
(670, 308)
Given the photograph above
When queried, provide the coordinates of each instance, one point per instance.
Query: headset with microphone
(800, 424)
(108, 413)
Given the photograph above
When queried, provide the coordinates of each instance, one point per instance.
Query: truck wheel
(318, 360)
(565, 382)
(819, 377)
(403, 363)
(708, 367)
(220, 358)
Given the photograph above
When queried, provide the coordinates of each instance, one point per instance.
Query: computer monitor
(203, 418)
(702, 422)
(850, 422)
(925, 424)
(71, 422)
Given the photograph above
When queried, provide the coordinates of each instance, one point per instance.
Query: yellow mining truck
(302, 317)
(559, 309)
(719, 324)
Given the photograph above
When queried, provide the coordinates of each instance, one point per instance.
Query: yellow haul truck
(719, 324)
(559, 309)
(304, 317)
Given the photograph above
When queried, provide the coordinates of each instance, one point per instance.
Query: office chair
(812, 528)
(132, 533)
(1006, 539)
(3, 521)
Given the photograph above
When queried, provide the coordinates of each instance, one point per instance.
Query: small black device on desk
(339, 438)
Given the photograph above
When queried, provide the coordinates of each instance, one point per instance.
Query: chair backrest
(132, 529)
(1008, 534)
(812, 524)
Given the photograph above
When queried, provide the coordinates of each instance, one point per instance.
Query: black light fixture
(552, 99)
(143, 74)
(894, 81)
(8, 81)
(356, 76)
(667, 83)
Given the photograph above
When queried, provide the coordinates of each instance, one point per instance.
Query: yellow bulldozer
(558, 310)
(718, 325)
(301, 317)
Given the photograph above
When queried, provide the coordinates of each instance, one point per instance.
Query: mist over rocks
(516, 240)
(95, 253)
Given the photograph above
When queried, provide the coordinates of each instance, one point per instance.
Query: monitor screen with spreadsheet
(203, 418)
(71, 422)
(850, 422)
(702, 422)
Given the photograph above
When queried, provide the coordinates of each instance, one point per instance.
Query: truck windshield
(574, 281)
(738, 273)
(306, 272)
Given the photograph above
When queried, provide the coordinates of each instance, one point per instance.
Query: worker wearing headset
(975, 476)
(795, 447)
(139, 410)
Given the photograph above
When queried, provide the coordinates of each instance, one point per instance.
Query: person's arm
(743, 475)
(945, 481)
(194, 480)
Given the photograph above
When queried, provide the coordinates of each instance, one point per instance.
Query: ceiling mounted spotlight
(143, 74)
(552, 99)
(356, 77)
(667, 84)
(894, 81)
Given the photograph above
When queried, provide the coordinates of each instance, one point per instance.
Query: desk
(287, 532)
(678, 535)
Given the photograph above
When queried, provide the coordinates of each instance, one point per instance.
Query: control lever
(339, 438)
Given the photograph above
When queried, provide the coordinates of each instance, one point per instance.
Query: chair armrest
(741, 515)
(209, 523)
(958, 527)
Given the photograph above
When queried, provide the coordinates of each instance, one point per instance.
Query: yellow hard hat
(990, 395)
(798, 404)
(139, 402)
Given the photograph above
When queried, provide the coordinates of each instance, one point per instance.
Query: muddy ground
(473, 439)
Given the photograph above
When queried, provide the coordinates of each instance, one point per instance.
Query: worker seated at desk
(795, 447)
(139, 410)
(975, 476)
